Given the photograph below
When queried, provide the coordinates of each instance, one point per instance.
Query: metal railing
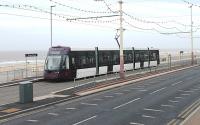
(10, 74)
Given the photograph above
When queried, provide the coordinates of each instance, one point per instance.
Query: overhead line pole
(192, 52)
(122, 75)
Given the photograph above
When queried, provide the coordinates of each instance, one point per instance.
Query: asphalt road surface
(154, 101)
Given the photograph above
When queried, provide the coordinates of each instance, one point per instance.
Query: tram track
(128, 78)
(15, 83)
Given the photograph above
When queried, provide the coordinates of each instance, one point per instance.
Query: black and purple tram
(64, 64)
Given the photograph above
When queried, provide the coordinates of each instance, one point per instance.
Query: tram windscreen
(53, 62)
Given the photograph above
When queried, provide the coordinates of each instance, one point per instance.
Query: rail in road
(154, 101)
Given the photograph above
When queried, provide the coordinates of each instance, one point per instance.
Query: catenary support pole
(122, 75)
(192, 52)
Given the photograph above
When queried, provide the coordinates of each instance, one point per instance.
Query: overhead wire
(36, 9)
(78, 9)
(77, 22)
(155, 22)
(191, 3)
(95, 19)
(109, 8)
(154, 29)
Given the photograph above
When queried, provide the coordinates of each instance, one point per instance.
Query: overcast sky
(22, 29)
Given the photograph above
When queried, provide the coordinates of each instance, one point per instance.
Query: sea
(8, 58)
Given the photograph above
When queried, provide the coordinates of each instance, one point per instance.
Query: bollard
(25, 92)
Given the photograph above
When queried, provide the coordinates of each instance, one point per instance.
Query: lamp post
(51, 22)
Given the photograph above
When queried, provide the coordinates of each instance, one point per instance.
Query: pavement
(193, 118)
(16, 108)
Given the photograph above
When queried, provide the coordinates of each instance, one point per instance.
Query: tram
(64, 64)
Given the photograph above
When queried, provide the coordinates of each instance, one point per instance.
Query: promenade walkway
(193, 119)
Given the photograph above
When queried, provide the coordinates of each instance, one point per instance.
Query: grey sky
(25, 33)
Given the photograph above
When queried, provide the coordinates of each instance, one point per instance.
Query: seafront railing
(20, 72)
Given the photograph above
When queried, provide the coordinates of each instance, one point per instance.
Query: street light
(51, 21)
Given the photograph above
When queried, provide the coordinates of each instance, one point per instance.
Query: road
(41, 89)
(154, 101)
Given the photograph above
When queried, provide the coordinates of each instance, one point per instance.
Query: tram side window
(101, 59)
(146, 56)
(142, 57)
(90, 59)
(153, 56)
(137, 57)
(83, 60)
(104, 58)
(128, 58)
(115, 59)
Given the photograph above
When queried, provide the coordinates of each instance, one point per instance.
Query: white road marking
(32, 120)
(186, 91)
(119, 93)
(126, 103)
(155, 110)
(54, 114)
(158, 90)
(177, 83)
(171, 106)
(109, 96)
(133, 123)
(189, 91)
(185, 94)
(148, 116)
(85, 120)
(70, 108)
(126, 90)
(173, 101)
(141, 86)
(97, 99)
(194, 89)
(89, 104)
(143, 90)
(136, 88)
(179, 97)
